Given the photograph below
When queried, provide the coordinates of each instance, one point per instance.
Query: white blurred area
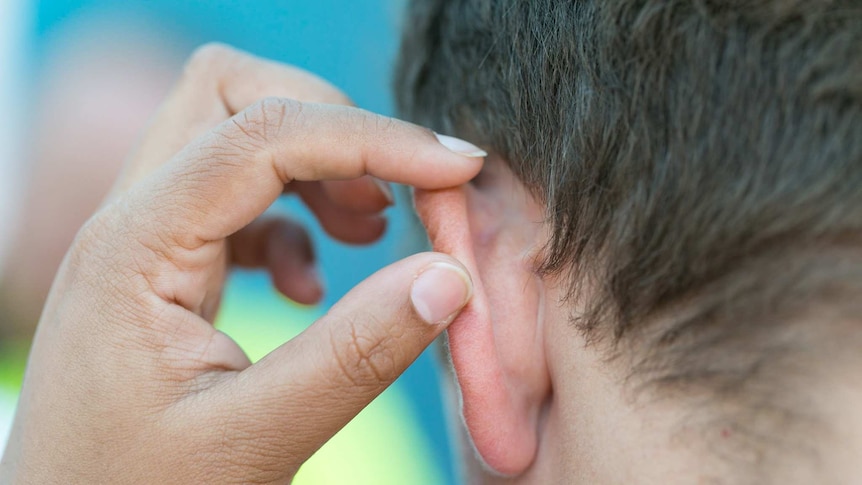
(67, 121)
(98, 77)
(13, 27)
(14, 23)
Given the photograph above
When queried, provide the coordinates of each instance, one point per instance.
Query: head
(666, 239)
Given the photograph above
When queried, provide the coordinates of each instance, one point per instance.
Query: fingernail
(460, 146)
(386, 189)
(440, 291)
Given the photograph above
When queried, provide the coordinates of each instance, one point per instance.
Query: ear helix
(500, 425)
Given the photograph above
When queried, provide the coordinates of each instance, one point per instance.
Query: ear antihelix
(501, 426)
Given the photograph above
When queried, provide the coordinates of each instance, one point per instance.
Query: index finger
(227, 178)
(218, 82)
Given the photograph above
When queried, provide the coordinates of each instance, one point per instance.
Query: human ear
(496, 343)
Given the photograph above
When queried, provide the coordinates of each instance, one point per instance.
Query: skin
(539, 404)
(128, 382)
(522, 370)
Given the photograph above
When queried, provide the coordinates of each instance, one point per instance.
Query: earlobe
(502, 388)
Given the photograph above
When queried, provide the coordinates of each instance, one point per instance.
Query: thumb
(302, 393)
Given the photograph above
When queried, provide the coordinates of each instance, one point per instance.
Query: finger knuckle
(366, 358)
(96, 238)
(263, 121)
(268, 117)
(208, 57)
(253, 132)
(103, 265)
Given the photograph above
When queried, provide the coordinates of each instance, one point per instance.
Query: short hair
(696, 154)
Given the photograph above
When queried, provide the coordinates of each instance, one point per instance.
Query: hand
(128, 381)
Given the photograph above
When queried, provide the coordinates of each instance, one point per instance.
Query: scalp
(700, 163)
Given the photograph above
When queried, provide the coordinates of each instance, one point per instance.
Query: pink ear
(501, 425)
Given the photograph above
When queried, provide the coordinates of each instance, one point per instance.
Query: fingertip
(306, 286)
(365, 195)
(385, 190)
(366, 230)
(440, 291)
(316, 284)
(446, 162)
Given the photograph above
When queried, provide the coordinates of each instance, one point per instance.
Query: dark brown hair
(696, 154)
